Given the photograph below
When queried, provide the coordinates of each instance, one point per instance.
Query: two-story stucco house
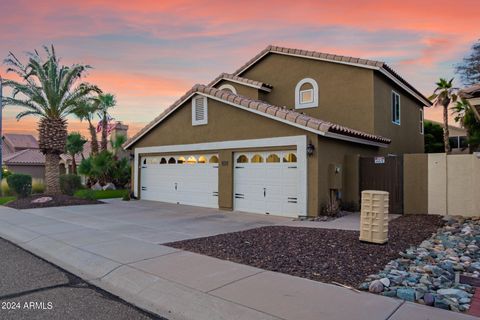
(279, 135)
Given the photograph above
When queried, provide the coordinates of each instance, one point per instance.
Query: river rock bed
(429, 273)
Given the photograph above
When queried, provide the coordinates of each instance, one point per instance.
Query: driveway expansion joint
(395, 310)
(234, 281)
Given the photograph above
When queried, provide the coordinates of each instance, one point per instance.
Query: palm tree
(117, 144)
(465, 115)
(74, 146)
(105, 102)
(443, 95)
(86, 111)
(50, 91)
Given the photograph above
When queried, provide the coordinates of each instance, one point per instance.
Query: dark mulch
(57, 201)
(319, 254)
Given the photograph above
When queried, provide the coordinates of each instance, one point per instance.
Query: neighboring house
(472, 94)
(27, 161)
(17, 142)
(457, 138)
(281, 135)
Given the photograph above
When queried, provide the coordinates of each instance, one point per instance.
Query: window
(228, 87)
(199, 111)
(191, 160)
(257, 159)
(144, 161)
(273, 158)
(291, 157)
(213, 159)
(202, 159)
(181, 160)
(242, 159)
(459, 142)
(172, 160)
(422, 124)
(163, 161)
(395, 108)
(306, 94)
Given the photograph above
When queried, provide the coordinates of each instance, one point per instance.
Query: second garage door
(267, 182)
(191, 180)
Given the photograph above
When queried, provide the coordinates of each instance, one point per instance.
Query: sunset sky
(148, 53)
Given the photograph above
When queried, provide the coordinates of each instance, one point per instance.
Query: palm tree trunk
(104, 143)
(446, 132)
(93, 135)
(52, 173)
(74, 164)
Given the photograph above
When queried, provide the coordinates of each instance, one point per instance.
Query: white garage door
(267, 182)
(191, 180)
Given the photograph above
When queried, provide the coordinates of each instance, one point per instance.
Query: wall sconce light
(310, 149)
(132, 156)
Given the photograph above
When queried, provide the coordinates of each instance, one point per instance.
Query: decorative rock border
(430, 273)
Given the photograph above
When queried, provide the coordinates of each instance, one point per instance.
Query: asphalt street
(31, 288)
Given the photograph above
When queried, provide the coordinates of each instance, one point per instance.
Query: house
(21, 153)
(472, 95)
(457, 137)
(281, 135)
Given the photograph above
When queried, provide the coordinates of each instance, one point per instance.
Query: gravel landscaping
(45, 201)
(319, 254)
(428, 273)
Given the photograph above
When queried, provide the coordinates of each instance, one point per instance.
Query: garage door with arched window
(267, 182)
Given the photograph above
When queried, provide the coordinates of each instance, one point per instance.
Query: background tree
(104, 103)
(50, 91)
(443, 95)
(469, 68)
(433, 135)
(465, 115)
(86, 111)
(74, 146)
(117, 145)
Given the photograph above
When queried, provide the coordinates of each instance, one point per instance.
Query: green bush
(88, 194)
(69, 183)
(101, 194)
(5, 189)
(20, 184)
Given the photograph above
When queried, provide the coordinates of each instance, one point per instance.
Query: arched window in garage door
(257, 159)
(172, 160)
(242, 159)
(202, 159)
(191, 160)
(181, 160)
(213, 159)
(290, 157)
(273, 158)
(163, 161)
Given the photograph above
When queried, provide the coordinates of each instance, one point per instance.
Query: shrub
(126, 197)
(20, 184)
(88, 194)
(5, 189)
(69, 183)
(38, 186)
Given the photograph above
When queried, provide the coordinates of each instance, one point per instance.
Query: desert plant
(69, 183)
(20, 184)
(86, 111)
(444, 94)
(105, 168)
(38, 186)
(74, 146)
(48, 90)
(104, 103)
(330, 209)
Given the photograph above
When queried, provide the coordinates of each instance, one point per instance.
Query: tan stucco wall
(345, 92)
(415, 184)
(242, 90)
(406, 137)
(37, 172)
(346, 154)
(437, 183)
(227, 123)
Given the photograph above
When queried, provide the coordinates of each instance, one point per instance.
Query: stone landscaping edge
(430, 273)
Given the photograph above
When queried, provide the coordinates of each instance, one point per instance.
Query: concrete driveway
(154, 222)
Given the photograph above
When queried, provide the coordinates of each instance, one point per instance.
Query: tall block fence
(441, 184)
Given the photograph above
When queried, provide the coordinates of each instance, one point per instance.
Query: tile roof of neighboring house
(21, 141)
(471, 92)
(252, 83)
(25, 157)
(373, 64)
(278, 113)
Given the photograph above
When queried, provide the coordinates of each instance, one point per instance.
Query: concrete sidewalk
(182, 285)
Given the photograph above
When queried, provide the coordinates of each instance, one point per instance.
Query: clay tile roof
(332, 57)
(25, 157)
(291, 116)
(471, 92)
(21, 141)
(253, 83)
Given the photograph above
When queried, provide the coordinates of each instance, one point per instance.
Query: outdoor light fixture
(310, 149)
